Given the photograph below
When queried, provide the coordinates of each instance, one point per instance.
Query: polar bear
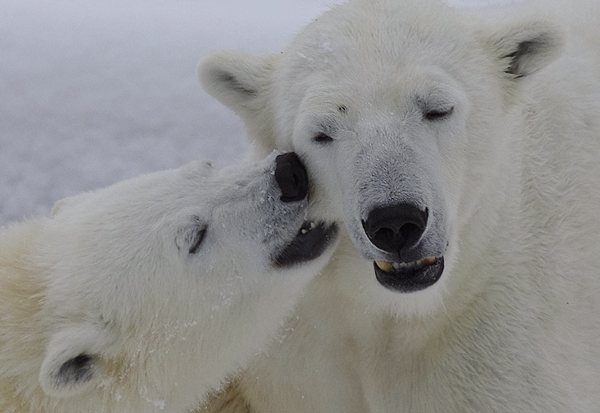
(143, 296)
(459, 148)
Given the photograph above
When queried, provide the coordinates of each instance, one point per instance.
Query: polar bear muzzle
(312, 238)
(398, 230)
(409, 277)
(311, 241)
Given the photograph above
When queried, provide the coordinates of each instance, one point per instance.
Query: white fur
(511, 180)
(103, 308)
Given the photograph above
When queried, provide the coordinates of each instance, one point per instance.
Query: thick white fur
(109, 276)
(511, 179)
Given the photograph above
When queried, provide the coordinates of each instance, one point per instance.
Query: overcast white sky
(95, 91)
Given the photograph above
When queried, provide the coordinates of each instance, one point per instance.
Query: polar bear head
(401, 111)
(155, 288)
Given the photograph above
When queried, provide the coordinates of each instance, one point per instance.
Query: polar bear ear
(198, 168)
(527, 47)
(70, 362)
(242, 82)
(61, 204)
(236, 79)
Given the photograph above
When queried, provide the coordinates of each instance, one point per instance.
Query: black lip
(411, 279)
(308, 244)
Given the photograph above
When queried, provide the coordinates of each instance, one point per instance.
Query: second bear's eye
(190, 236)
(322, 138)
(437, 114)
(197, 236)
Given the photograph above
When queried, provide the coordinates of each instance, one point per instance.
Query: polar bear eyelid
(437, 114)
(196, 240)
(322, 138)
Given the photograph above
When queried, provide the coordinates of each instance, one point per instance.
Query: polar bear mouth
(310, 242)
(409, 277)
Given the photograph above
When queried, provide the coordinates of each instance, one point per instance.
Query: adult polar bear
(461, 152)
(141, 297)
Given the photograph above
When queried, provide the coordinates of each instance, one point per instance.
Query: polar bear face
(400, 111)
(159, 286)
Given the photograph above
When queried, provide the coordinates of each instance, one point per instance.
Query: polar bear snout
(399, 231)
(291, 177)
(396, 228)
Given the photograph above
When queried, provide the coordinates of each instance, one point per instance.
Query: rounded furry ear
(527, 47)
(70, 362)
(58, 206)
(62, 203)
(198, 168)
(236, 79)
(242, 82)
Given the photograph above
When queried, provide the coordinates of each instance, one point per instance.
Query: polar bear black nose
(291, 177)
(396, 228)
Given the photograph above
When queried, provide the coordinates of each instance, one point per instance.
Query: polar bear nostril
(396, 228)
(291, 177)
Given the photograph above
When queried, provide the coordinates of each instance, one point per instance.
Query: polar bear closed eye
(143, 296)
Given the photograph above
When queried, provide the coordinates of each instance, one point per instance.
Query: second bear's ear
(63, 203)
(70, 361)
(527, 47)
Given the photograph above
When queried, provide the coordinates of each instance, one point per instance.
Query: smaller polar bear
(143, 296)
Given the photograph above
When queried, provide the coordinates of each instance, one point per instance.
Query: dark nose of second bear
(291, 177)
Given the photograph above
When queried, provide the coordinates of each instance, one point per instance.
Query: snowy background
(96, 91)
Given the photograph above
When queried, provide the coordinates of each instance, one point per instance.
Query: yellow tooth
(429, 261)
(384, 265)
